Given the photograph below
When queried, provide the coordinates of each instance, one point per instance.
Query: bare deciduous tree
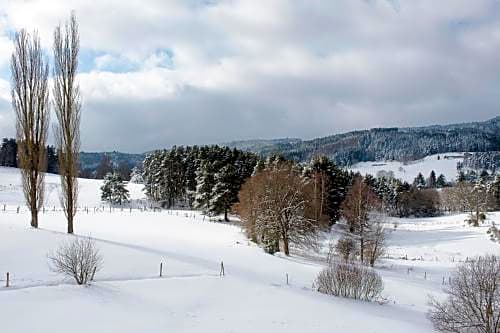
(30, 96)
(67, 107)
(375, 240)
(360, 202)
(79, 259)
(347, 280)
(476, 199)
(274, 206)
(345, 248)
(473, 304)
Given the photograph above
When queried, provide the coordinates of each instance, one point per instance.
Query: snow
(129, 296)
(407, 171)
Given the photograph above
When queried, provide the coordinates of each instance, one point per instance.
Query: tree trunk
(362, 248)
(286, 248)
(70, 204)
(34, 217)
(70, 222)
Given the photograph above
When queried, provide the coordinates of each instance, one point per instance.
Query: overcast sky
(156, 73)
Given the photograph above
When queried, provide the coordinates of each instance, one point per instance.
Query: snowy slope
(11, 190)
(128, 295)
(446, 165)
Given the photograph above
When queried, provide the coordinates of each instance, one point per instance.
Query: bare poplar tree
(67, 107)
(30, 101)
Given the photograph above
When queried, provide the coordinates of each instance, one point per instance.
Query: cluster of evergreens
(9, 155)
(203, 177)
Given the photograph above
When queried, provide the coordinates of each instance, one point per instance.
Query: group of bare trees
(30, 101)
(277, 207)
(365, 220)
(473, 198)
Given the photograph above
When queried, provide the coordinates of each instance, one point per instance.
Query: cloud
(158, 73)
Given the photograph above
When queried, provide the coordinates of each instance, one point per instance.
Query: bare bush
(351, 281)
(345, 248)
(473, 304)
(79, 259)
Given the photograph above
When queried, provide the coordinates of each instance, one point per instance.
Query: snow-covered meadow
(445, 164)
(129, 296)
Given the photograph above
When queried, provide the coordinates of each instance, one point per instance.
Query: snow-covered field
(446, 165)
(129, 296)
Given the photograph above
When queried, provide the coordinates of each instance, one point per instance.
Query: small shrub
(351, 281)
(494, 233)
(79, 259)
(473, 303)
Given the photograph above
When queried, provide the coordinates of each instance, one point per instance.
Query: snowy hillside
(129, 296)
(11, 190)
(446, 164)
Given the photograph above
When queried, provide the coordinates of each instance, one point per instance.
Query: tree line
(9, 157)
(202, 177)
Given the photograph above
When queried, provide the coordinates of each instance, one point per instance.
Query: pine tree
(441, 181)
(113, 190)
(52, 161)
(419, 181)
(224, 192)
(496, 192)
(431, 182)
(136, 175)
(8, 153)
(107, 188)
(204, 183)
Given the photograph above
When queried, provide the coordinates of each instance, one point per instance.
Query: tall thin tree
(67, 107)
(30, 101)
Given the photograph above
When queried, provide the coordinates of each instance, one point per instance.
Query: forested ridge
(402, 144)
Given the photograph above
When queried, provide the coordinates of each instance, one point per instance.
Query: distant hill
(399, 144)
(90, 160)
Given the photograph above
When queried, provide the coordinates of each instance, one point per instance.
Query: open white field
(446, 165)
(129, 296)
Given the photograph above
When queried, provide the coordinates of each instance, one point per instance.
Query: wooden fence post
(8, 280)
(161, 269)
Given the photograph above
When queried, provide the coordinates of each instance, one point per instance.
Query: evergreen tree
(496, 191)
(136, 175)
(419, 181)
(461, 177)
(204, 184)
(8, 153)
(441, 181)
(52, 161)
(113, 190)
(224, 192)
(431, 182)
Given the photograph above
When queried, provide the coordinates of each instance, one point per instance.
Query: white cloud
(278, 68)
